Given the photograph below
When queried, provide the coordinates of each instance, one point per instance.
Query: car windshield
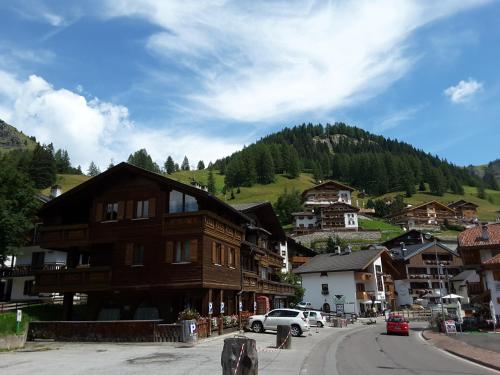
(396, 319)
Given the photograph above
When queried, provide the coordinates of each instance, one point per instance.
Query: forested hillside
(366, 161)
(13, 139)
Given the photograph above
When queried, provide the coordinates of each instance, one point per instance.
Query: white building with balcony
(345, 282)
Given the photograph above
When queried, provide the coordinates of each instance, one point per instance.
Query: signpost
(222, 307)
(339, 301)
(19, 319)
(339, 308)
(210, 308)
(255, 307)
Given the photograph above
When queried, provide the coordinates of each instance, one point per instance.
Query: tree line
(366, 161)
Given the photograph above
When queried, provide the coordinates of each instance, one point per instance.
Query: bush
(188, 314)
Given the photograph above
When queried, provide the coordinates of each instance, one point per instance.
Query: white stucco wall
(351, 220)
(403, 295)
(18, 289)
(494, 287)
(305, 221)
(284, 254)
(341, 283)
(51, 256)
(348, 200)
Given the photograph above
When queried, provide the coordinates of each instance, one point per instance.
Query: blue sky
(203, 78)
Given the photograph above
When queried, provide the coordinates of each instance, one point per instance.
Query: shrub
(188, 314)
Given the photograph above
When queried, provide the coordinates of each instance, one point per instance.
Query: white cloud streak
(91, 129)
(464, 91)
(259, 61)
(396, 118)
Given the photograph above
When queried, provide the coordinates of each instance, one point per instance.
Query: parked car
(304, 306)
(296, 319)
(315, 318)
(398, 324)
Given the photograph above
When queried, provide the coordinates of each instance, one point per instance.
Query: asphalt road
(371, 351)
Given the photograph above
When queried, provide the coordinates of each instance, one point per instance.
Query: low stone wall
(94, 331)
(352, 236)
(12, 342)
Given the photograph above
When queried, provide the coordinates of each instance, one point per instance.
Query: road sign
(240, 306)
(19, 318)
(222, 307)
(192, 328)
(450, 326)
(339, 308)
(210, 308)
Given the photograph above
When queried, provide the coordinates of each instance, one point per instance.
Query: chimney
(55, 191)
(484, 233)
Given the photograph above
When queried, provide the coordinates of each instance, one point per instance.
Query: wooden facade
(429, 214)
(262, 261)
(464, 211)
(137, 240)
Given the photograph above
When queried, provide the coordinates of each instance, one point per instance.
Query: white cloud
(396, 118)
(94, 129)
(464, 91)
(265, 60)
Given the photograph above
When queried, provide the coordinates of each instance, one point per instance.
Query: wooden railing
(364, 295)
(76, 279)
(474, 288)
(363, 276)
(28, 270)
(252, 283)
(63, 234)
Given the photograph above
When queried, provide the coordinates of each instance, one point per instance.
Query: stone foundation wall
(12, 342)
(307, 239)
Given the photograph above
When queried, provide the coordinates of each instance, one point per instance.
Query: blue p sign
(222, 307)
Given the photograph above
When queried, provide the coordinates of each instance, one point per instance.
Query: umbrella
(452, 296)
(459, 313)
(493, 314)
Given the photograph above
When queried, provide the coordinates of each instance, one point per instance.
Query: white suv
(296, 319)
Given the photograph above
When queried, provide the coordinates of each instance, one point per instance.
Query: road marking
(456, 356)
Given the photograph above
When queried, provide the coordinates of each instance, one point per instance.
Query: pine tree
(490, 181)
(42, 169)
(291, 161)
(288, 203)
(93, 170)
(481, 193)
(317, 172)
(185, 164)
(232, 194)
(211, 182)
(437, 182)
(176, 167)
(265, 166)
(63, 164)
(201, 165)
(111, 164)
(143, 160)
(421, 186)
(169, 165)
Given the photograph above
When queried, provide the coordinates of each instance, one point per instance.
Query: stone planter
(12, 342)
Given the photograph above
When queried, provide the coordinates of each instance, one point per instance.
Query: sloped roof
(464, 275)
(412, 250)
(472, 237)
(406, 209)
(87, 188)
(329, 182)
(461, 203)
(355, 261)
(494, 260)
(265, 214)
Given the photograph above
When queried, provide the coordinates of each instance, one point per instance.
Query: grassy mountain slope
(257, 193)
(11, 138)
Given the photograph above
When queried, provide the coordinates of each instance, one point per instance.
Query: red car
(398, 324)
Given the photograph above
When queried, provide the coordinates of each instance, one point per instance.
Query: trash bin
(189, 332)
(239, 356)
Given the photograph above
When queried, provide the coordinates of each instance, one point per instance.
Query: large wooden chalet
(426, 215)
(263, 256)
(141, 245)
(464, 211)
(327, 206)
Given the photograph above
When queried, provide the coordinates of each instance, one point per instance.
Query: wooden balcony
(363, 276)
(298, 260)
(63, 235)
(74, 280)
(253, 283)
(202, 222)
(364, 295)
(29, 270)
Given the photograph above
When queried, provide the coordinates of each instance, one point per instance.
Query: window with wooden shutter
(193, 249)
(222, 256)
(129, 254)
(98, 212)
(237, 258)
(169, 252)
(121, 210)
(129, 212)
(152, 207)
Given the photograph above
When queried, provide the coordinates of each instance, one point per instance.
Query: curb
(460, 354)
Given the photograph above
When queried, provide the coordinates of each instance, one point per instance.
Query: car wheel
(295, 330)
(319, 325)
(257, 327)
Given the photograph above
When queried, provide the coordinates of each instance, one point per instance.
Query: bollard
(283, 337)
(239, 357)
(189, 333)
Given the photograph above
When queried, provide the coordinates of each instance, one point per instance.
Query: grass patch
(31, 313)
(67, 182)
